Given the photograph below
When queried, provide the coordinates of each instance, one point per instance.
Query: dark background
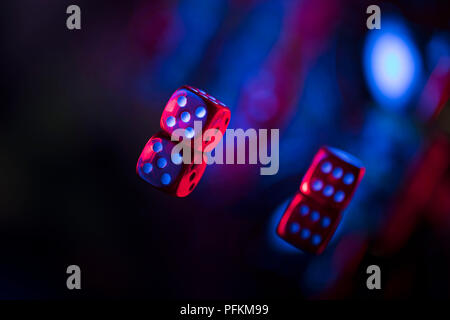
(79, 106)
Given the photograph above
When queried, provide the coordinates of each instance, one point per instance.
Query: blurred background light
(392, 65)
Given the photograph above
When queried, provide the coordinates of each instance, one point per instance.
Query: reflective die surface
(189, 104)
(332, 178)
(166, 171)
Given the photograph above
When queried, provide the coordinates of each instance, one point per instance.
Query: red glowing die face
(165, 171)
(189, 104)
(307, 225)
(332, 178)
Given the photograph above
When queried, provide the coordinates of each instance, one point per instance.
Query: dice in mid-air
(189, 104)
(166, 171)
(332, 178)
(313, 215)
(307, 225)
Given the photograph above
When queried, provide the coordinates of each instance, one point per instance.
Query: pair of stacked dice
(314, 213)
(165, 169)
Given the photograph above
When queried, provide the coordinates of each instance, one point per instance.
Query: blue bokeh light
(392, 65)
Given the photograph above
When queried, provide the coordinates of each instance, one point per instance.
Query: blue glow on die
(328, 191)
(326, 222)
(315, 216)
(200, 112)
(157, 147)
(339, 196)
(304, 210)
(147, 168)
(317, 185)
(189, 132)
(349, 178)
(326, 167)
(185, 116)
(181, 101)
(338, 172)
(316, 239)
(346, 157)
(294, 227)
(305, 234)
(171, 121)
(165, 179)
(161, 163)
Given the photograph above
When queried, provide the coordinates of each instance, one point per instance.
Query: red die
(307, 225)
(326, 189)
(332, 178)
(189, 104)
(165, 171)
